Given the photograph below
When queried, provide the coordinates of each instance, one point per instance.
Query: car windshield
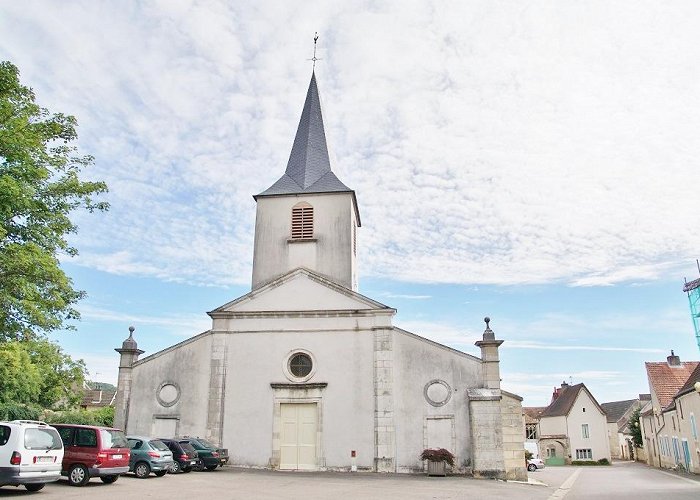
(159, 445)
(113, 439)
(207, 444)
(42, 439)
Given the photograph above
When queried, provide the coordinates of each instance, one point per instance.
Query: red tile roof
(532, 413)
(690, 383)
(666, 380)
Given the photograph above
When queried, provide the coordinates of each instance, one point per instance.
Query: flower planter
(436, 468)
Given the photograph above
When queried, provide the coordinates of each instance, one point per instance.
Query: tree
(635, 428)
(20, 380)
(39, 189)
(38, 374)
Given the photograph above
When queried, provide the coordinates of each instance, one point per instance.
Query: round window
(300, 365)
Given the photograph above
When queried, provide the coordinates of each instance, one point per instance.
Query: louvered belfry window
(302, 221)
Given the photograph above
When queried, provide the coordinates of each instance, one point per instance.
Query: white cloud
(178, 324)
(554, 143)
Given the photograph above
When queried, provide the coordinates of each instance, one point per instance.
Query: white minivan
(31, 454)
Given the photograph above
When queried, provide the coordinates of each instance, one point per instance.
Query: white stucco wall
(553, 426)
(418, 361)
(597, 428)
(331, 254)
(343, 360)
(187, 365)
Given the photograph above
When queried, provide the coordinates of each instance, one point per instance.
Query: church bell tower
(308, 218)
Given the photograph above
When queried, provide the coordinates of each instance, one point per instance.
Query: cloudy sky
(534, 161)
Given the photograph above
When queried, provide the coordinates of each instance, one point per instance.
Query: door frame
(296, 394)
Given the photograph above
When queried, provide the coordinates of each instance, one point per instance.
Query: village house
(573, 427)
(618, 416)
(669, 424)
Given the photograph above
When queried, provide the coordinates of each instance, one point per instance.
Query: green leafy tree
(20, 379)
(61, 377)
(635, 428)
(39, 189)
(38, 374)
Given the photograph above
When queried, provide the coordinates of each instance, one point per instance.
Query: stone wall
(513, 437)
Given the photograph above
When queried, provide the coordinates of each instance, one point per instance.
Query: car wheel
(186, 469)
(175, 468)
(109, 479)
(532, 467)
(34, 486)
(211, 467)
(160, 473)
(142, 470)
(78, 475)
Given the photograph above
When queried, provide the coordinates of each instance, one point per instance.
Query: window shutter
(302, 222)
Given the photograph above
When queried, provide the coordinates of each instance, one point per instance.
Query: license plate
(44, 459)
(116, 456)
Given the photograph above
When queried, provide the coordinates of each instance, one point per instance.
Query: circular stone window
(168, 394)
(299, 366)
(437, 392)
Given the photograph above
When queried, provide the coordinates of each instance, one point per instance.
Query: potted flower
(437, 458)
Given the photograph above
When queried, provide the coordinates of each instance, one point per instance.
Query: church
(305, 373)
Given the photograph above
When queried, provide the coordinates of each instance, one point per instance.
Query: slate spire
(309, 167)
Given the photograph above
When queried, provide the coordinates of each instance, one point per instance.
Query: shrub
(602, 461)
(101, 416)
(528, 454)
(19, 411)
(438, 455)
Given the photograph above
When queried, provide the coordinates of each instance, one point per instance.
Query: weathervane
(314, 58)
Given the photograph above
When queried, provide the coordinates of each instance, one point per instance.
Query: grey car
(149, 455)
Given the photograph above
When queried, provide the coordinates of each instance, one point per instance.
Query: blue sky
(530, 161)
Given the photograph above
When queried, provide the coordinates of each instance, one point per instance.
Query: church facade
(305, 373)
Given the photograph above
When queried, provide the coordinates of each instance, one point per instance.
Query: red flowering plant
(438, 455)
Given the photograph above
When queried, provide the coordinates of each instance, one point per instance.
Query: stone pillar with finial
(489, 357)
(128, 355)
(485, 417)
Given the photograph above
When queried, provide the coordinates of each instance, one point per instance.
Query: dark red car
(91, 451)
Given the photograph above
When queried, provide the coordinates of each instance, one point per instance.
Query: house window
(584, 454)
(584, 431)
(673, 421)
(551, 452)
(530, 431)
(693, 427)
(302, 221)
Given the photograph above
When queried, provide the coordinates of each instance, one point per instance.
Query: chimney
(673, 360)
(558, 390)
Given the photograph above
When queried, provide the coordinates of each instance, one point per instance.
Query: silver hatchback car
(149, 455)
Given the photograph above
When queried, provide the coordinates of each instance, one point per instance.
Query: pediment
(301, 290)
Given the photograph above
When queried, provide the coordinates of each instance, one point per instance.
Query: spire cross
(314, 58)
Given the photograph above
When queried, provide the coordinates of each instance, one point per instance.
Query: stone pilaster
(486, 423)
(486, 420)
(128, 355)
(217, 389)
(384, 431)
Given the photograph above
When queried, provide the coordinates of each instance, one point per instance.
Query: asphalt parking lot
(616, 482)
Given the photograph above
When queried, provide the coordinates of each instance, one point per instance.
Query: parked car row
(34, 453)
